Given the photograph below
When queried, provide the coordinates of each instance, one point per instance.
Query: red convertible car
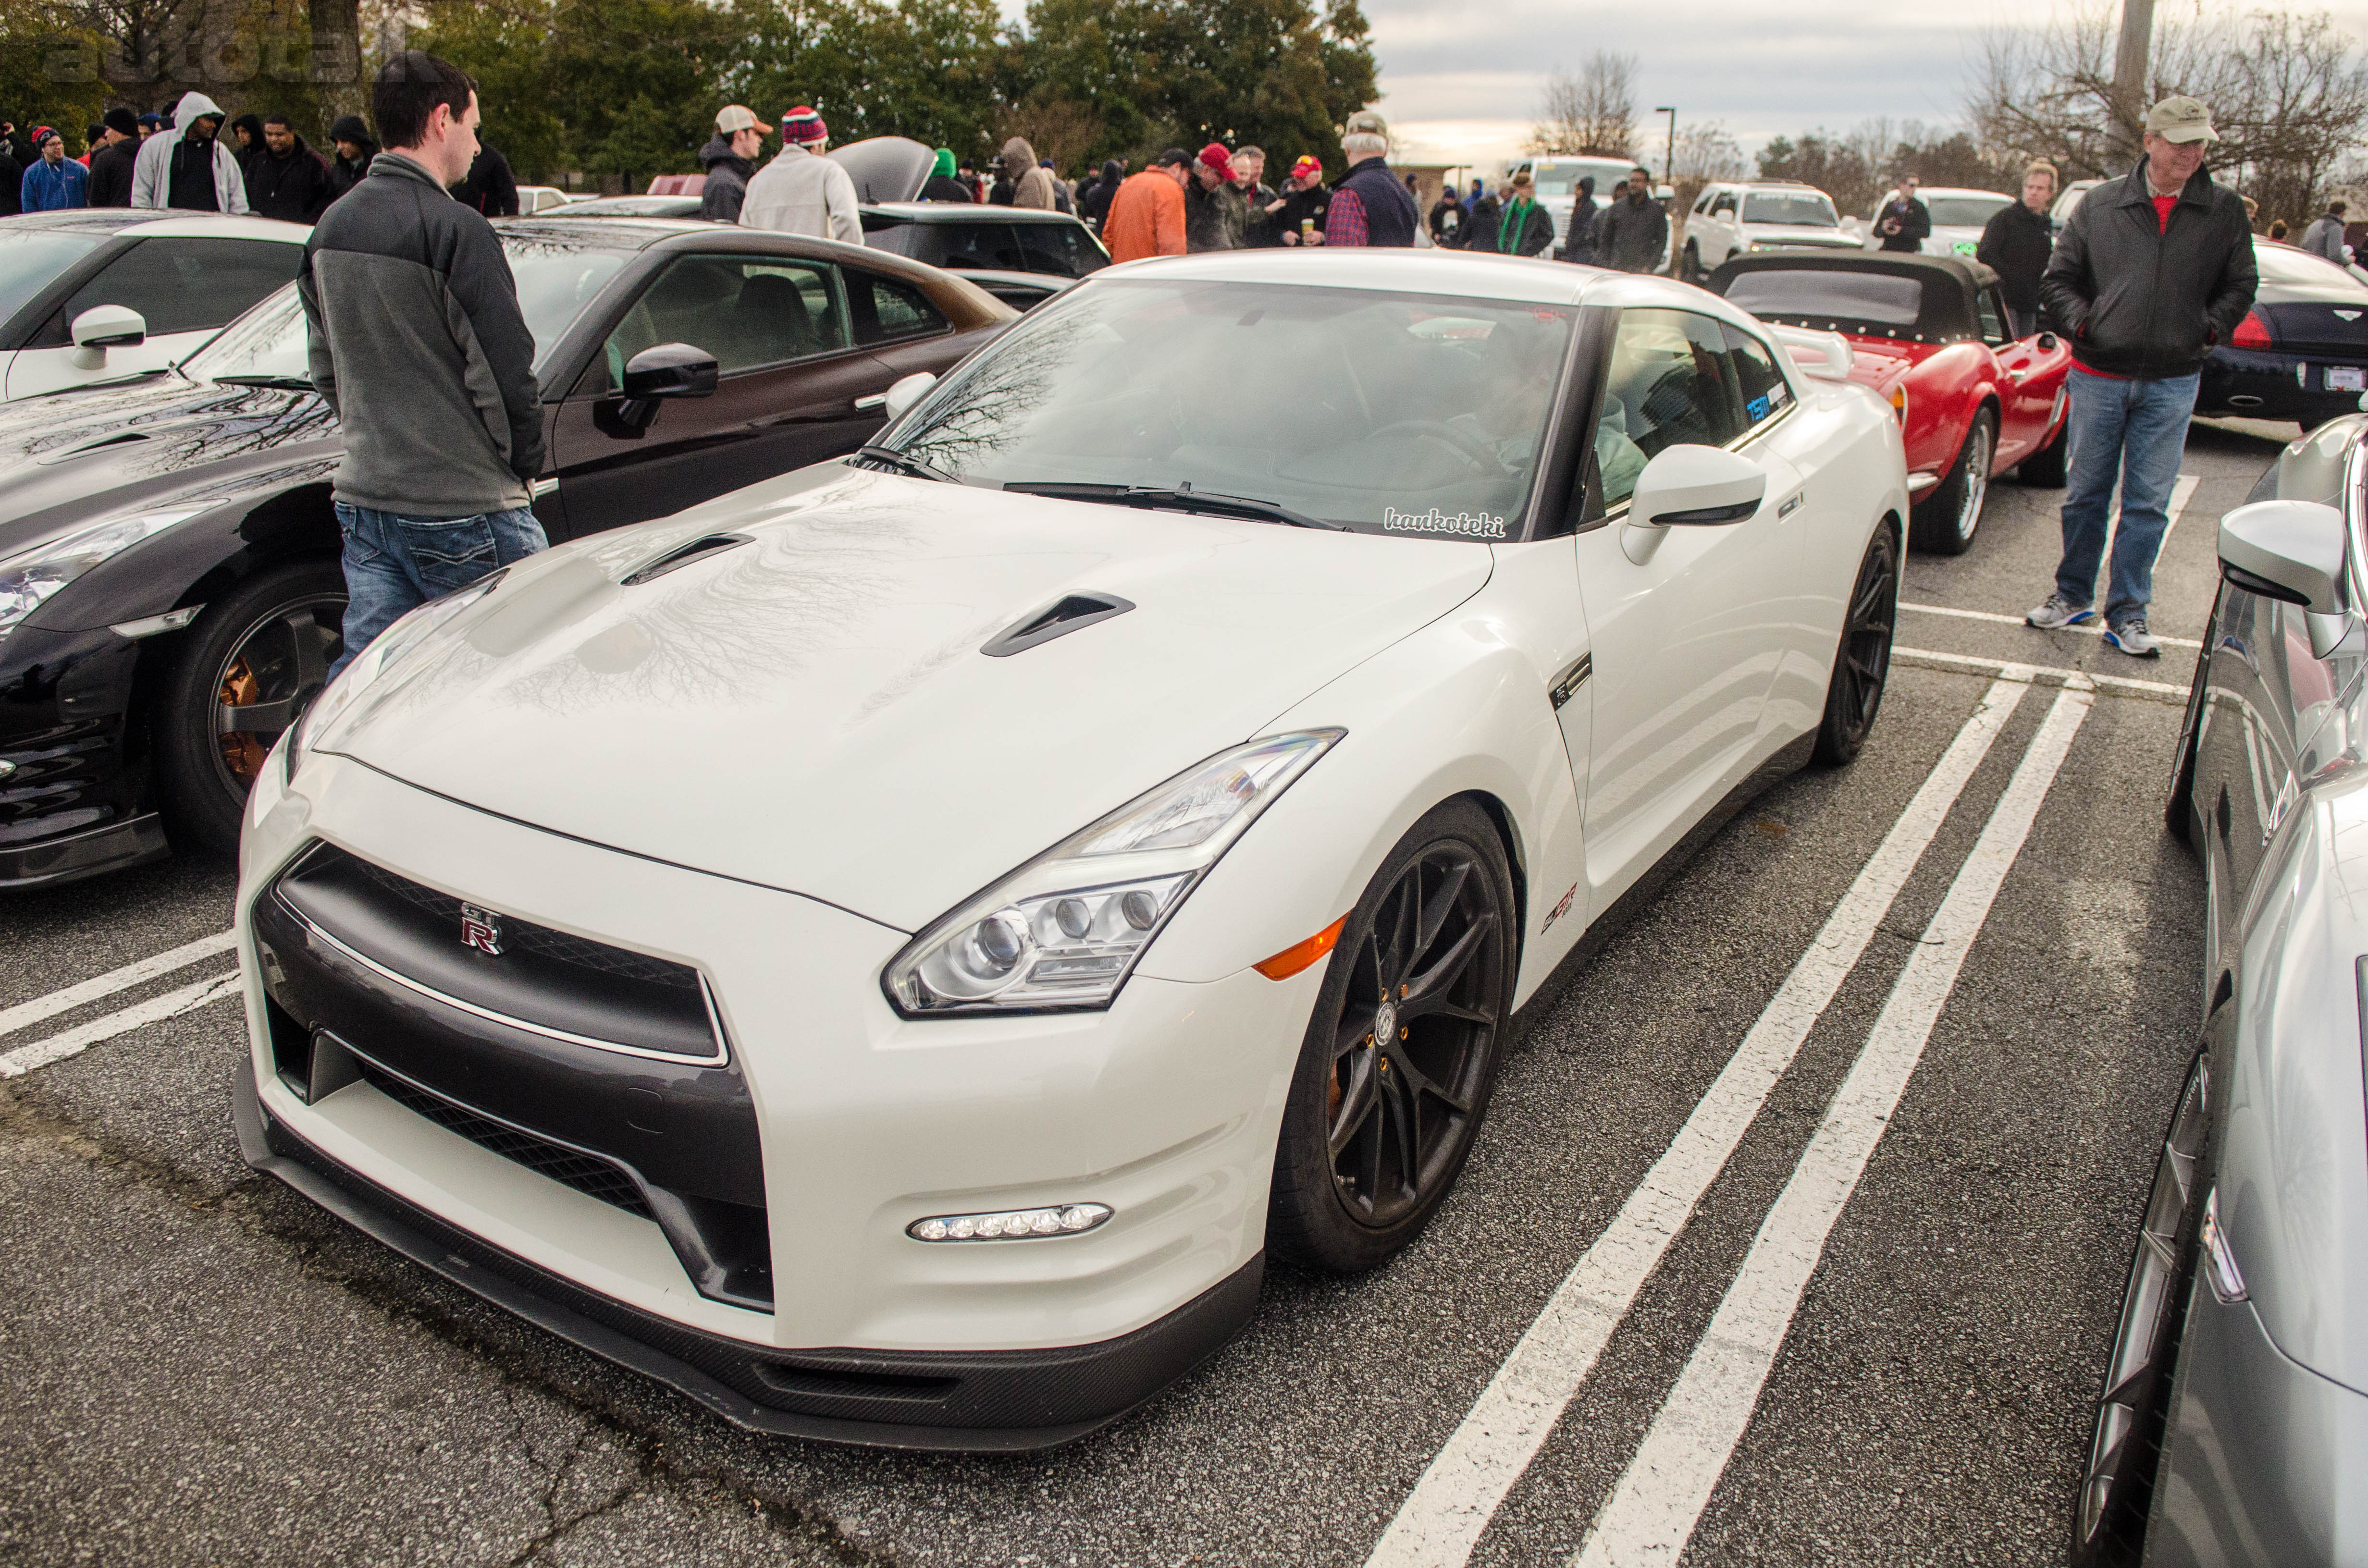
(1931, 334)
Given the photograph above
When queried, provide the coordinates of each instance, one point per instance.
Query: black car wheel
(2045, 467)
(1402, 1049)
(1862, 662)
(247, 669)
(1693, 270)
(2108, 1520)
(1945, 520)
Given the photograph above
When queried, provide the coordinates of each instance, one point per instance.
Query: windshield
(1560, 176)
(1879, 298)
(1807, 208)
(1963, 211)
(30, 259)
(1387, 413)
(2300, 269)
(555, 281)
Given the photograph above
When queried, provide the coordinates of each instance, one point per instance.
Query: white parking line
(2057, 675)
(1994, 619)
(74, 1041)
(2179, 492)
(1659, 1498)
(1443, 1516)
(24, 1015)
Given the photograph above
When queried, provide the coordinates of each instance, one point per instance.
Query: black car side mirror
(670, 370)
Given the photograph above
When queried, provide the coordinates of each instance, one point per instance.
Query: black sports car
(170, 595)
(2302, 353)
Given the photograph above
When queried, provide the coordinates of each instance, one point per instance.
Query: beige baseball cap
(2181, 119)
(733, 119)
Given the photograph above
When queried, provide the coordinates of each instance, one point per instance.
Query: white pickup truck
(1732, 220)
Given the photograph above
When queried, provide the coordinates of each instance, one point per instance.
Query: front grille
(588, 1174)
(527, 937)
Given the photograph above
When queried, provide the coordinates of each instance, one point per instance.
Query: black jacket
(1634, 236)
(1300, 210)
(1480, 225)
(2015, 244)
(110, 174)
(1258, 229)
(727, 181)
(489, 187)
(346, 173)
(945, 187)
(295, 187)
(1447, 221)
(1094, 201)
(1536, 236)
(12, 186)
(417, 343)
(2140, 299)
(1215, 218)
(1915, 224)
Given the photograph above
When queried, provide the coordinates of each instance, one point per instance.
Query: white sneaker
(2058, 613)
(2132, 638)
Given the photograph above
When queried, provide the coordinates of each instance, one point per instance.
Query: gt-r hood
(812, 711)
(76, 458)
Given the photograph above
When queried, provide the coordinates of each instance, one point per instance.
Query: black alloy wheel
(1862, 662)
(247, 669)
(2109, 1517)
(1401, 1052)
(1946, 520)
(1693, 272)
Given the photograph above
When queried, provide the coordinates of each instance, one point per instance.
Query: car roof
(99, 219)
(1952, 309)
(1475, 274)
(955, 212)
(168, 225)
(609, 232)
(625, 206)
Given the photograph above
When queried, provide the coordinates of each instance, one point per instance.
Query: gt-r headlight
(30, 576)
(1063, 931)
(332, 713)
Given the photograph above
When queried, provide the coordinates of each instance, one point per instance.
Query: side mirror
(103, 327)
(906, 392)
(670, 370)
(1696, 485)
(2288, 550)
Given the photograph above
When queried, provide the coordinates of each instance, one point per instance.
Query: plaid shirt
(1344, 225)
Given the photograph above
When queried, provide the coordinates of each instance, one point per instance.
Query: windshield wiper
(903, 463)
(1182, 498)
(285, 383)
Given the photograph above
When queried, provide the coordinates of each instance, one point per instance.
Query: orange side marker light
(1299, 955)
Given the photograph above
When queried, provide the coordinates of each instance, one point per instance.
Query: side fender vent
(1056, 619)
(682, 555)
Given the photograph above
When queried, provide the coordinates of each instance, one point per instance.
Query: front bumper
(2263, 1461)
(1165, 1108)
(72, 769)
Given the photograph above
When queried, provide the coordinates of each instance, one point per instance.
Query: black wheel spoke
(1431, 984)
(1357, 1107)
(1440, 905)
(256, 718)
(1403, 1116)
(311, 640)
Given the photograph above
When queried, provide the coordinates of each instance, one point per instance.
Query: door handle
(1566, 685)
(541, 487)
(877, 400)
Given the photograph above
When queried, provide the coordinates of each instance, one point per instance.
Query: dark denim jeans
(394, 564)
(2135, 431)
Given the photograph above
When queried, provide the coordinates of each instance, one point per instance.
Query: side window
(1672, 382)
(988, 245)
(178, 285)
(889, 310)
(1724, 206)
(1060, 249)
(1702, 202)
(1995, 330)
(749, 312)
(1758, 382)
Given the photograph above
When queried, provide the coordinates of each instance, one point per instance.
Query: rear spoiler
(1825, 355)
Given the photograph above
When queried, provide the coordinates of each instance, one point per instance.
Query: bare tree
(2287, 90)
(1593, 113)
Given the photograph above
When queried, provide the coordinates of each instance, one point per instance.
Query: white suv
(1770, 214)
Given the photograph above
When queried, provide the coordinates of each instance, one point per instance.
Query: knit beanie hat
(802, 124)
(122, 121)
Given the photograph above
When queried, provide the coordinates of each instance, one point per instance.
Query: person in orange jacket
(1147, 216)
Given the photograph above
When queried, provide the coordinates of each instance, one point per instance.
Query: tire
(1862, 660)
(1694, 268)
(2109, 1514)
(1945, 521)
(1344, 1198)
(261, 652)
(2045, 467)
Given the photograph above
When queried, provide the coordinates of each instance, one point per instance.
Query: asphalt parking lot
(1938, 1003)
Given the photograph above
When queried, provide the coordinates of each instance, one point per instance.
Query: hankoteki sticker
(1471, 525)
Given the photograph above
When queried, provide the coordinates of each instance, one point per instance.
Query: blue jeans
(394, 564)
(2135, 431)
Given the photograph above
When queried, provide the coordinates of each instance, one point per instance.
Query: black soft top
(1913, 298)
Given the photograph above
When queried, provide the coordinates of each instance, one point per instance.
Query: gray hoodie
(151, 169)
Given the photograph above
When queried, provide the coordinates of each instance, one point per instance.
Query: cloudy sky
(1460, 81)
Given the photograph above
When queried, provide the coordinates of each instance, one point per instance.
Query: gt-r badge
(1559, 910)
(481, 929)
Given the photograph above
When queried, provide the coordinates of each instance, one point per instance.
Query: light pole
(1669, 164)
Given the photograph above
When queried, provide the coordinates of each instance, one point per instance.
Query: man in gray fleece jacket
(418, 345)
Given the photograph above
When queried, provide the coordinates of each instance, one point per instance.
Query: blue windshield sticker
(1757, 408)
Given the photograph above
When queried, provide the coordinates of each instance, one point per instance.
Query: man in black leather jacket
(2150, 272)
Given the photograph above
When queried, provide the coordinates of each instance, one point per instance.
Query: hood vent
(683, 555)
(1057, 620)
(121, 437)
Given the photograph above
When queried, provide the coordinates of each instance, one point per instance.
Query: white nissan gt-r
(891, 950)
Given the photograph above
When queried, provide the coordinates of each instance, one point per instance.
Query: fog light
(1011, 1224)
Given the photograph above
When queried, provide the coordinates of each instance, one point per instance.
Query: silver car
(2233, 1423)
